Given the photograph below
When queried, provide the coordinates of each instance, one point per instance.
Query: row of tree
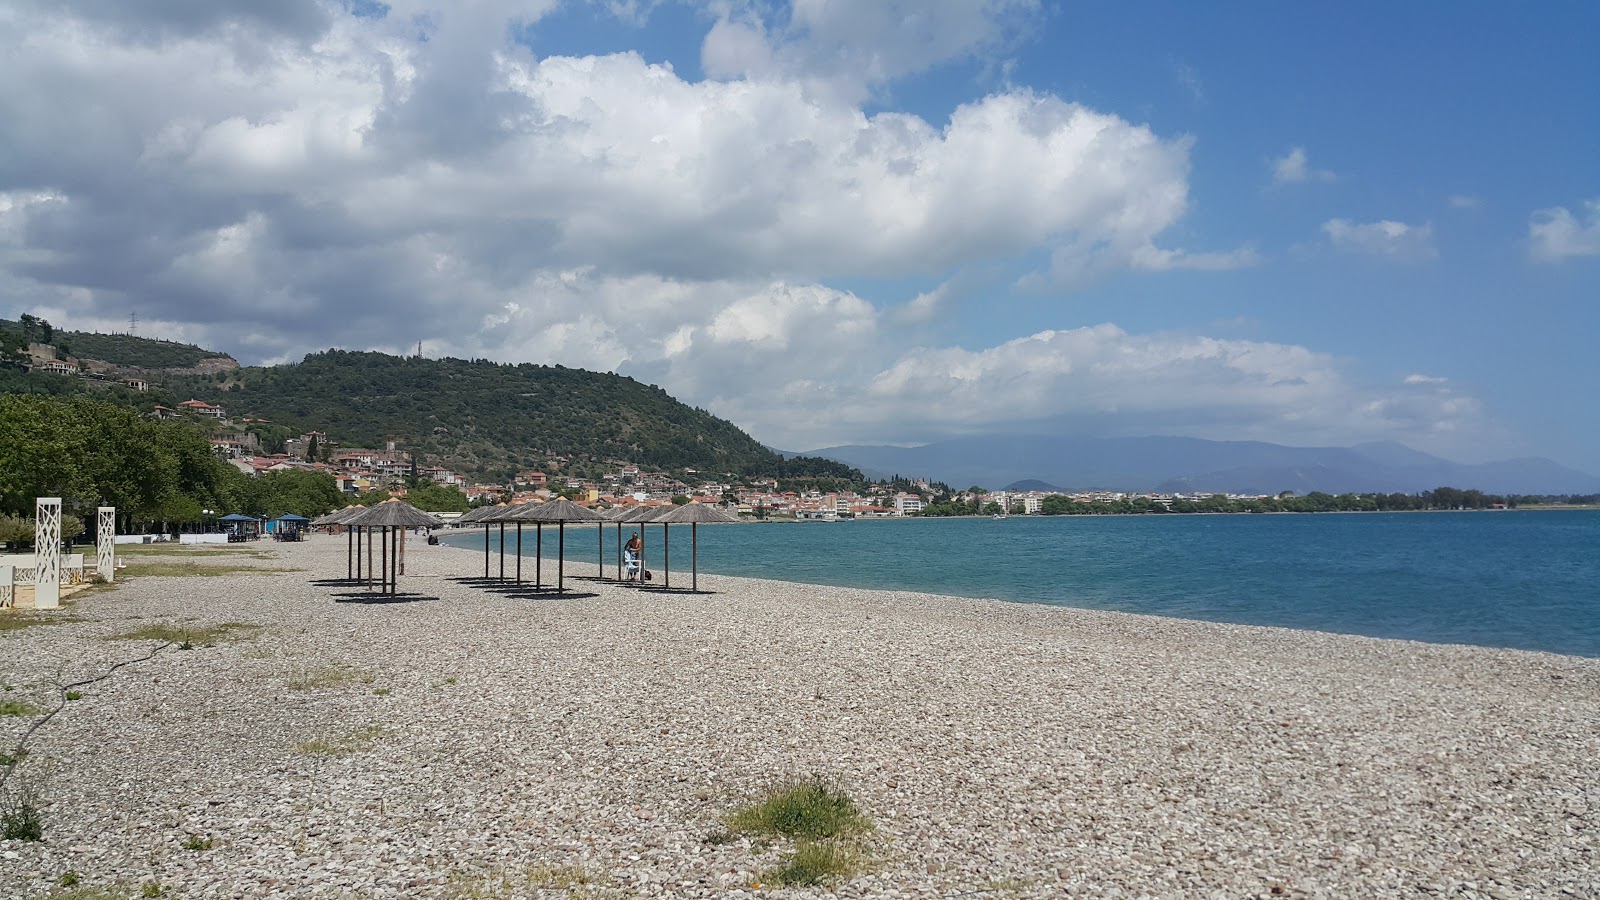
(1316, 501)
(92, 453)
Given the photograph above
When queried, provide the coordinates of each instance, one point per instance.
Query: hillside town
(359, 470)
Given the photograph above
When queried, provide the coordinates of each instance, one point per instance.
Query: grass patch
(356, 741)
(327, 677)
(526, 881)
(19, 708)
(11, 620)
(819, 862)
(22, 816)
(820, 818)
(196, 842)
(87, 893)
(10, 758)
(189, 636)
(813, 808)
(177, 569)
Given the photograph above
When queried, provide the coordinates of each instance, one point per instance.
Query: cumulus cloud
(369, 181)
(1386, 239)
(1293, 168)
(1557, 234)
(845, 51)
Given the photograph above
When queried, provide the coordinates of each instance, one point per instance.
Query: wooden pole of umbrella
(387, 521)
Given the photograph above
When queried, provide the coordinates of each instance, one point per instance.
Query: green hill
(482, 417)
(116, 349)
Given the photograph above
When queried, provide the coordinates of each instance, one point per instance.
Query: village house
(203, 408)
(55, 366)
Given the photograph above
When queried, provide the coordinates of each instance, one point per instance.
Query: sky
(840, 222)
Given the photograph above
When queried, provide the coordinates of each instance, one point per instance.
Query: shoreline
(1013, 749)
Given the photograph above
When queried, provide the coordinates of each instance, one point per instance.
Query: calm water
(1503, 579)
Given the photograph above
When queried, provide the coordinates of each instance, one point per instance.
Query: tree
(36, 330)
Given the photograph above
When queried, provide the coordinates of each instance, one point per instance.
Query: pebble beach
(474, 744)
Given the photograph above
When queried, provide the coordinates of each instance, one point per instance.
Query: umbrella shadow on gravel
(366, 597)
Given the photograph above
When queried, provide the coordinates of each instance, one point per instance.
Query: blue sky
(850, 223)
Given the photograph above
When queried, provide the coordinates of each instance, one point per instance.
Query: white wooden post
(47, 554)
(105, 544)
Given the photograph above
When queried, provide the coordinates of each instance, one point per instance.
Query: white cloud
(275, 190)
(1386, 239)
(1557, 234)
(1293, 168)
(845, 51)
(1465, 201)
(1425, 379)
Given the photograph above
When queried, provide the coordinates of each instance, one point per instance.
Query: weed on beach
(811, 808)
(87, 893)
(189, 636)
(19, 708)
(822, 820)
(327, 677)
(22, 815)
(12, 620)
(533, 880)
(358, 741)
(818, 862)
(185, 569)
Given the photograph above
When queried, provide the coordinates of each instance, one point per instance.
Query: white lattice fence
(47, 554)
(8, 586)
(105, 541)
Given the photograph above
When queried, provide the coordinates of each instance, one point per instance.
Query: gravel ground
(479, 745)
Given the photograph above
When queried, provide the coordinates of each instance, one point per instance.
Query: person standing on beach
(631, 552)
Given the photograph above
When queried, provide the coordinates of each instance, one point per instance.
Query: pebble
(1003, 750)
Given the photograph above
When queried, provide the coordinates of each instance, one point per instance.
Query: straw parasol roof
(693, 513)
(639, 514)
(339, 516)
(393, 513)
(476, 514)
(556, 511)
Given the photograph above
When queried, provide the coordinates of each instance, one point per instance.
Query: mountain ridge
(1195, 465)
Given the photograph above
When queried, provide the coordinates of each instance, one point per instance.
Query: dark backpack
(647, 575)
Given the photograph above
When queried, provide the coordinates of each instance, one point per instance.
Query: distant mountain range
(1176, 464)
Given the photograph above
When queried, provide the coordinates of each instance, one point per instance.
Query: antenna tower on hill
(133, 323)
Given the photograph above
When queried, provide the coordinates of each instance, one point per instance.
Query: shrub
(818, 862)
(813, 808)
(22, 817)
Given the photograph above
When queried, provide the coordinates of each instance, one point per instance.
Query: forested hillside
(483, 416)
(484, 419)
(117, 349)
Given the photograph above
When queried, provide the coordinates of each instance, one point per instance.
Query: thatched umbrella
(560, 512)
(693, 514)
(498, 514)
(392, 517)
(352, 549)
(475, 514)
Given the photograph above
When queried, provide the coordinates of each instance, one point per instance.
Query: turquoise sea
(1524, 579)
